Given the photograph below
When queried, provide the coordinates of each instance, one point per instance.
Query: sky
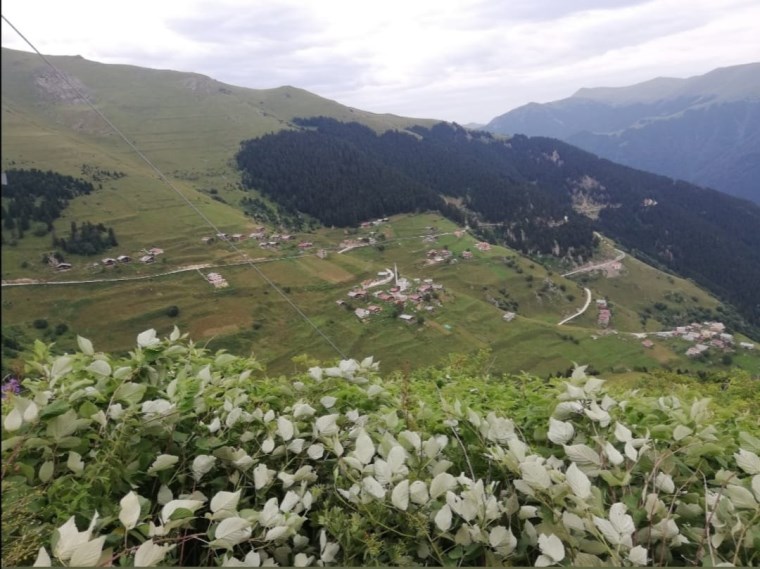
(466, 61)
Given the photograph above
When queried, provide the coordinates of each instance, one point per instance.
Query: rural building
(108, 262)
(509, 316)
(648, 344)
(63, 266)
(407, 317)
(124, 258)
(483, 246)
(696, 350)
(361, 313)
(747, 345)
(147, 259)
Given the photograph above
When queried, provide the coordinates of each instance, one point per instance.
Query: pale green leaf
(171, 507)
(202, 464)
(147, 339)
(560, 432)
(551, 546)
(130, 393)
(13, 420)
(31, 413)
(638, 556)
(164, 495)
(535, 475)
(756, 486)
(373, 488)
(85, 346)
(149, 554)
(681, 432)
(748, 461)
(418, 492)
(100, 367)
(441, 484)
(622, 522)
(61, 366)
(443, 518)
(741, 497)
(43, 559)
(75, 463)
(129, 513)
(88, 554)
(276, 533)
(665, 483)
(608, 530)
(400, 495)
(285, 428)
(365, 449)
(163, 462)
(225, 501)
(578, 482)
(583, 455)
(622, 433)
(613, 454)
(230, 532)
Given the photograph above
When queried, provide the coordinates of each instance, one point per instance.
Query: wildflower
(11, 385)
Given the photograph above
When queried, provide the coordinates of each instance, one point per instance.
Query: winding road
(581, 311)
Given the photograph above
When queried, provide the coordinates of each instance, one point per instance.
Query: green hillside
(190, 126)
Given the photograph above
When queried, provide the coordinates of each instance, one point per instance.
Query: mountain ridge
(704, 129)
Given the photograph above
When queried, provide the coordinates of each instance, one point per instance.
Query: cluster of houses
(147, 256)
(217, 280)
(266, 241)
(374, 223)
(414, 294)
(604, 315)
(703, 336)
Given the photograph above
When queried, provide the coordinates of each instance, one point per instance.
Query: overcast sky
(457, 60)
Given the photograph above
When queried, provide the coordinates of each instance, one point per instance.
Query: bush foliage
(173, 455)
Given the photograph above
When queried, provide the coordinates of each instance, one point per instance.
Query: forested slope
(538, 195)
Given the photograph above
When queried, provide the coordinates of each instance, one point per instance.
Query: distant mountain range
(704, 129)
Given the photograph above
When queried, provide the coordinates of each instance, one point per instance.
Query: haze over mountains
(704, 129)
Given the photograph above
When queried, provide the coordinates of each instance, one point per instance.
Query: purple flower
(11, 385)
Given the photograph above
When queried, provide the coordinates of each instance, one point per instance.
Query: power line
(175, 189)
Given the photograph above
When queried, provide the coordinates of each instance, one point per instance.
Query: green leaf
(46, 471)
(54, 409)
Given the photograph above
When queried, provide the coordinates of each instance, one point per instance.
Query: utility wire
(174, 188)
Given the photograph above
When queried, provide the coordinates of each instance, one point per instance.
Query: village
(404, 296)
(704, 336)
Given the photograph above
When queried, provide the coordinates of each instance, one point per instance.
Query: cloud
(463, 60)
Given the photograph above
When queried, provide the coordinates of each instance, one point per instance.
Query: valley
(111, 304)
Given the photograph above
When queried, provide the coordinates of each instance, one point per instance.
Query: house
(155, 251)
(305, 245)
(483, 246)
(696, 350)
(467, 255)
(691, 337)
(604, 317)
(147, 259)
(459, 233)
(648, 344)
(124, 258)
(236, 237)
(747, 345)
(509, 316)
(258, 235)
(221, 236)
(361, 313)
(374, 309)
(340, 302)
(322, 253)
(407, 317)
(601, 303)
(207, 240)
(108, 262)
(63, 266)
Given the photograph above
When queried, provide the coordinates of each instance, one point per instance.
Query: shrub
(174, 455)
(172, 311)
(40, 324)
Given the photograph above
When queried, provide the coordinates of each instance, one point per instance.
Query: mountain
(704, 129)
(76, 190)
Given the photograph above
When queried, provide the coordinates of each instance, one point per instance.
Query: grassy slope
(192, 139)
